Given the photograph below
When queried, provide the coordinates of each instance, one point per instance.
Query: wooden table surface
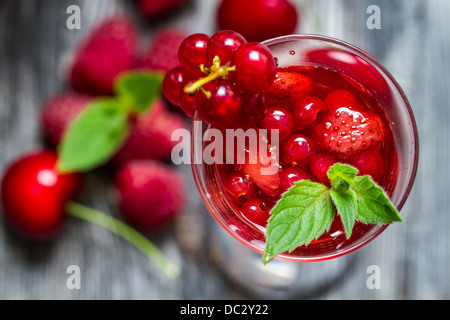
(413, 256)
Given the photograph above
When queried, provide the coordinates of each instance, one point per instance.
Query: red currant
(256, 211)
(320, 165)
(278, 118)
(258, 20)
(239, 185)
(34, 194)
(297, 150)
(192, 51)
(219, 102)
(307, 111)
(252, 111)
(172, 84)
(224, 44)
(255, 67)
(290, 175)
(188, 103)
(370, 163)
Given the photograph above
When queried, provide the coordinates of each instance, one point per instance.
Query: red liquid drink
(331, 103)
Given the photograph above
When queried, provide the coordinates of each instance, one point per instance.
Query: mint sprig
(307, 209)
(100, 130)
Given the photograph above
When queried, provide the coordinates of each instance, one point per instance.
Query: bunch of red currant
(221, 78)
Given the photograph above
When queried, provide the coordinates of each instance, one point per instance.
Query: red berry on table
(290, 175)
(157, 8)
(219, 102)
(34, 194)
(224, 45)
(289, 86)
(308, 111)
(150, 194)
(239, 185)
(192, 52)
(108, 51)
(280, 119)
(162, 53)
(59, 111)
(256, 211)
(255, 67)
(320, 165)
(150, 136)
(258, 20)
(346, 132)
(298, 150)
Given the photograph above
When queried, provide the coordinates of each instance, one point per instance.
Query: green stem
(126, 232)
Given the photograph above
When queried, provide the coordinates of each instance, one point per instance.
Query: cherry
(255, 67)
(192, 51)
(280, 119)
(297, 150)
(307, 111)
(255, 210)
(218, 102)
(258, 20)
(320, 165)
(224, 44)
(340, 99)
(238, 185)
(290, 175)
(34, 194)
(173, 83)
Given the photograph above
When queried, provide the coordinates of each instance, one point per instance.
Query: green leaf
(94, 136)
(374, 205)
(341, 175)
(304, 213)
(137, 90)
(346, 205)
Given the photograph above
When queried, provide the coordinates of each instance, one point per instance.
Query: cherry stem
(216, 71)
(126, 232)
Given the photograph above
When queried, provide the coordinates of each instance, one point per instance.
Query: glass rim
(376, 230)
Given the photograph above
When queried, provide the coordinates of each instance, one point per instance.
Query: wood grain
(413, 44)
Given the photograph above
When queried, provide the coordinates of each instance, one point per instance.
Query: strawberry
(108, 51)
(156, 8)
(162, 53)
(265, 176)
(59, 111)
(150, 136)
(347, 132)
(289, 86)
(150, 194)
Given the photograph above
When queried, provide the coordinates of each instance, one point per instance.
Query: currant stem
(216, 71)
(126, 232)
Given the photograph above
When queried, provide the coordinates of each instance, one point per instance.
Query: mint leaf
(374, 205)
(137, 90)
(94, 136)
(341, 176)
(305, 212)
(346, 204)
